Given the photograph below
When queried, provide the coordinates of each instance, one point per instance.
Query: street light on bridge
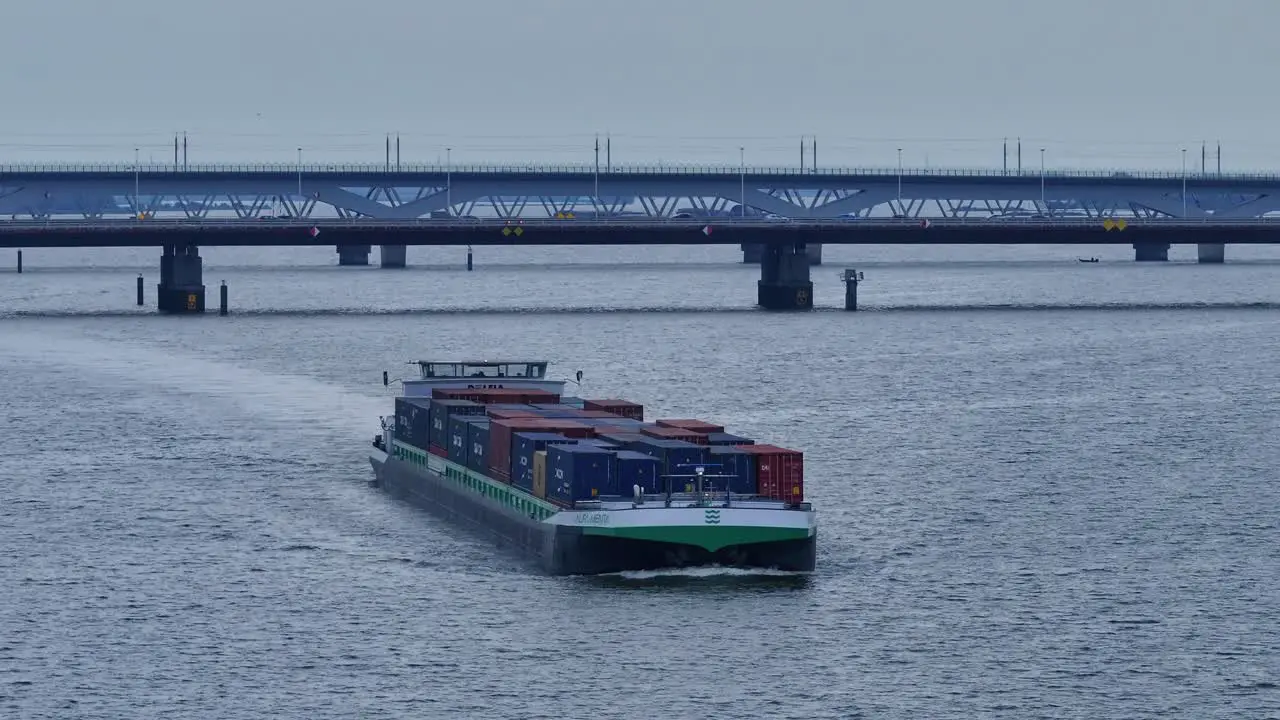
(299, 174)
(742, 180)
(1043, 204)
(448, 179)
(137, 201)
(899, 179)
(1184, 182)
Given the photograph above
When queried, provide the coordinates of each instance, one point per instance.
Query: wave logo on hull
(711, 517)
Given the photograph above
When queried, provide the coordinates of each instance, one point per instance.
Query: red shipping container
(621, 408)
(779, 471)
(669, 433)
(507, 413)
(437, 450)
(503, 396)
(698, 426)
(457, 394)
(501, 431)
(534, 395)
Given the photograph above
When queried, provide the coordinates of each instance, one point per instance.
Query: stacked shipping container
(621, 408)
(565, 453)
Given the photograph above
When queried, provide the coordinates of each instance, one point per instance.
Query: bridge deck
(658, 231)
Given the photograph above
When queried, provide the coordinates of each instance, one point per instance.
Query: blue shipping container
(635, 468)
(579, 472)
(459, 432)
(672, 454)
(740, 465)
(523, 446)
(413, 421)
(727, 439)
(442, 410)
(478, 442)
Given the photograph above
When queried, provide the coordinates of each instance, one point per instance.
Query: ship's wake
(297, 401)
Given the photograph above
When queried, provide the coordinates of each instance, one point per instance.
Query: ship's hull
(566, 542)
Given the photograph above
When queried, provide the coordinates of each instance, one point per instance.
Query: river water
(1046, 489)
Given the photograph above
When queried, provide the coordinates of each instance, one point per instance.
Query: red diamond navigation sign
(706, 230)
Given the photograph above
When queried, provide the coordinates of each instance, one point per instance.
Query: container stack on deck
(569, 449)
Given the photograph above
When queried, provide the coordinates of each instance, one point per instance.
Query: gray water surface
(1046, 489)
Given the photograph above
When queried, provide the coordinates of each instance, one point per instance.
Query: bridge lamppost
(137, 201)
(448, 179)
(1184, 183)
(899, 178)
(299, 174)
(742, 181)
(1043, 204)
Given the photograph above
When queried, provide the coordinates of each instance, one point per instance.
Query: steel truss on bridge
(387, 192)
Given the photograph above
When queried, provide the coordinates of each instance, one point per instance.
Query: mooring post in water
(139, 289)
(222, 298)
(468, 258)
(19, 262)
(851, 279)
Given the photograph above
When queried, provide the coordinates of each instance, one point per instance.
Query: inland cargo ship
(587, 486)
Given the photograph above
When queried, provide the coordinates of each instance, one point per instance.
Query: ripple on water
(1065, 511)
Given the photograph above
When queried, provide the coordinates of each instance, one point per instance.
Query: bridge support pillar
(393, 256)
(753, 252)
(354, 254)
(814, 251)
(784, 278)
(1151, 252)
(181, 288)
(1211, 252)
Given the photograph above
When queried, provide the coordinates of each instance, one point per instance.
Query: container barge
(585, 487)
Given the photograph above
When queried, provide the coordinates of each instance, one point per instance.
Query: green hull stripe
(710, 538)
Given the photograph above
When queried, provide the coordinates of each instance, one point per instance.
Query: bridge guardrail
(172, 170)
(160, 224)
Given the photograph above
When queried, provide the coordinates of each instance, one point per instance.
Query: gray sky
(1098, 82)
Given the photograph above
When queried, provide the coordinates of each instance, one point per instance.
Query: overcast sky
(1097, 82)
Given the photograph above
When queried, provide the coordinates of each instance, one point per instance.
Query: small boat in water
(1088, 260)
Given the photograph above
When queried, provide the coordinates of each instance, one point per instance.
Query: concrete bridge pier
(1211, 252)
(752, 252)
(353, 255)
(1151, 252)
(181, 288)
(393, 256)
(784, 278)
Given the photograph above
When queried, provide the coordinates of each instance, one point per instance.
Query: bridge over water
(783, 243)
(513, 191)
(525, 191)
